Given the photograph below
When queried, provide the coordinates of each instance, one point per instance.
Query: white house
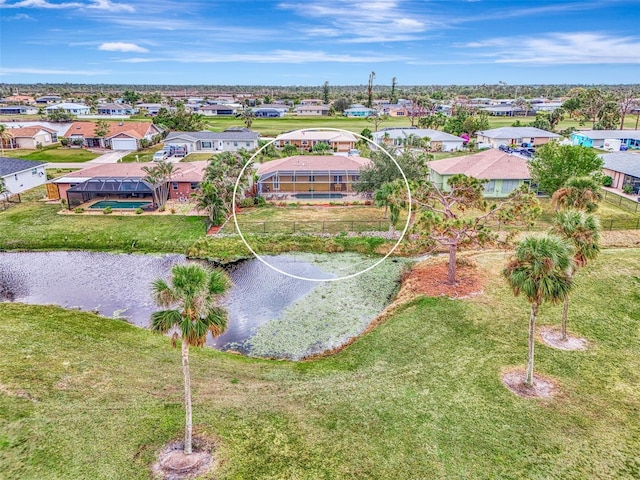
(438, 141)
(207, 141)
(21, 175)
(515, 135)
(74, 108)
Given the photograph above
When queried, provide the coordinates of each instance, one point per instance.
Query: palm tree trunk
(532, 331)
(187, 397)
(451, 274)
(565, 310)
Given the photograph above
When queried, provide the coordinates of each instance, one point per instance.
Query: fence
(622, 202)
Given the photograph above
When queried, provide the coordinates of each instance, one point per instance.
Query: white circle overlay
(298, 277)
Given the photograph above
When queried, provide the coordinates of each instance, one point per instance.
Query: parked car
(180, 151)
(160, 156)
(353, 151)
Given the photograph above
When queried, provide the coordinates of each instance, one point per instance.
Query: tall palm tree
(5, 137)
(190, 302)
(583, 231)
(581, 193)
(247, 115)
(540, 270)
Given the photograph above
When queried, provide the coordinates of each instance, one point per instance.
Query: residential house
(74, 108)
(624, 168)
(515, 135)
(18, 99)
(311, 101)
(217, 110)
(358, 111)
(48, 99)
(231, 140)
(153, 108)
(438, 141)
(267, 112)
(339, 141)
(502, 172)
(507, 111)
(30, 137)
(121, 135)
(311, 110)
(598, 138)
(546, 106)
(21, 175)
(116, 109)
(18, 110)
(122, 181)
(302, 174)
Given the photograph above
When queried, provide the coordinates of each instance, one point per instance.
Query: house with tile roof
(311, 173)
(121, 135)
(231, 140)
(438, 141)
(515, 136)
(339, 141)
(30, 137)
(21, 175)
(114, 181)
(502, 172)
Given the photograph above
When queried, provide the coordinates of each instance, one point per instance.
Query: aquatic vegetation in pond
(330, 314)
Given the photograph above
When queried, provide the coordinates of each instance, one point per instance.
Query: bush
(138, 211)
(107, 210)
(607, 181)
(628, 189)
(260, 201)
(64, 141)
(78, 209)
(247, 202)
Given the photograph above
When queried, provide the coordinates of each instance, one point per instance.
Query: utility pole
(372, 75)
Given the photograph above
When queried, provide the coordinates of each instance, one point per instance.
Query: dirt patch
(543, 387)
(173, 464)
(553, 338)
(430, 279)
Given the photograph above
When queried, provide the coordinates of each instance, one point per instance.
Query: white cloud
(122, 47)
(106, 5)
(19, 16)
(561, 49)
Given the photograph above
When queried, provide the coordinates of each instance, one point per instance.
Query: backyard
(85, 397)
(56, 154)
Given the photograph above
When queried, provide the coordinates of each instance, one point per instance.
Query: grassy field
(53, 155)
(420, 397)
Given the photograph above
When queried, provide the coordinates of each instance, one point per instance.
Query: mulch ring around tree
(173, 464)
(430, 278)
(543, 387)
(553, 338)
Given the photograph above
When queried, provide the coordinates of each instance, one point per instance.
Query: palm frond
(164, 320)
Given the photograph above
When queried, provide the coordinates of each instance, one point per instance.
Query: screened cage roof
(113, 185)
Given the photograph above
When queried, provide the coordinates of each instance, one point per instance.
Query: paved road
(109, 157)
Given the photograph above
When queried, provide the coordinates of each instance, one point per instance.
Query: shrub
(63, 202)
(607, 181)
(138, 211)
(107, 210)
(628, 189)
(260, 201)
(173, 211)
(247, 202)
(78, 210)
(64, 141)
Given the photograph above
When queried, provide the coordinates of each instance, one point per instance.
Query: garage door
(124, 144)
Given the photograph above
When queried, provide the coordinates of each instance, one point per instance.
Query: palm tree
(583, 231)
(540, 270)
(4, 191)
(5, 136)
(190, 301)
(247, 115)
(581, 193)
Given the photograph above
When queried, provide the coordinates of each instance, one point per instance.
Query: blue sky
(308, 42)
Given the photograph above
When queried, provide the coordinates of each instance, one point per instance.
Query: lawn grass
(57, 154)
(83, 397)
(145, 155)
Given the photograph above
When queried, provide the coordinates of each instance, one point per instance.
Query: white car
(159, 156)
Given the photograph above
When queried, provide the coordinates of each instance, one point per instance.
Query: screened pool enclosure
(110, 188)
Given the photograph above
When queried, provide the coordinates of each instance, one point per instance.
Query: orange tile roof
(27, 131)
(186, 172)
(489, 164)
(133, 129)
(305, 163)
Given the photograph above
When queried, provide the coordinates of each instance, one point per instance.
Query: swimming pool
(120, 204)
(312, 195)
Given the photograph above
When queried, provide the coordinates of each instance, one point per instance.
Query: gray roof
(9, 166)
(604, 134)
(623, 162)
(212, 136)
(517, 132)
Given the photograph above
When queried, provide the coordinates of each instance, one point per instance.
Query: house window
(235, 144)
(337, 179)
(195, 185)
(293, 178)
(355, 178)
(34, 171)
(248, 144)
(174, 185)
(207, 145)
(509, 186)
(276, 183)
(490, 186)
(312, 178)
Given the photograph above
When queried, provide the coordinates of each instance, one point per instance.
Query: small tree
(583, 231)
(540, 271)
(247, 115)
(462, 217)
(190, 303)
(581, 193)
(60, 115)
(101, 129)
(377, 119)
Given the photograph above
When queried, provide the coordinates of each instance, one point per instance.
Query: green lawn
(145, 155)
(420, 397)
(54, 155)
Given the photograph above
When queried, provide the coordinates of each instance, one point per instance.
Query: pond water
(270, 314)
